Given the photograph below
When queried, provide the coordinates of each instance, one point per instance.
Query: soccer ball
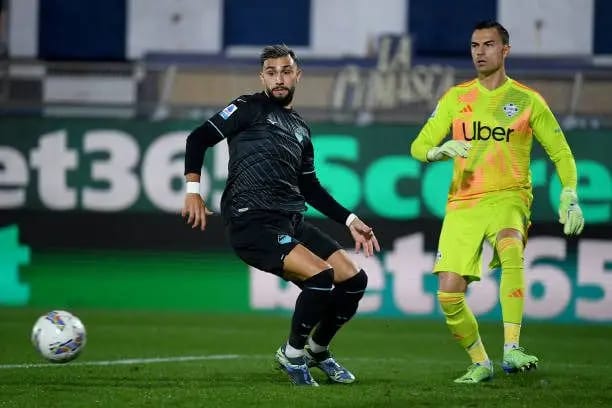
(59, 336)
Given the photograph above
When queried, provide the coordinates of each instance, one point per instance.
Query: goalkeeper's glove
(449, 150)
(570, 214)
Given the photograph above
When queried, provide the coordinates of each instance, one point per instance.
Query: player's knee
(451, 303)
(356, 283)
(510, 251)
(322, 280)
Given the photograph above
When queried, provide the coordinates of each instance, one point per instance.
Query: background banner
(89, 218)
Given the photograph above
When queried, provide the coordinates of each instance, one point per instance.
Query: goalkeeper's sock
(478, 354)
(462, 324)
(512, 332)
(512, 285)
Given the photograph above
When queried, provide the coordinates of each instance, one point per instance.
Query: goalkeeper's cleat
(296, 368)
(328, 364)
(476, 373)
(517, 360)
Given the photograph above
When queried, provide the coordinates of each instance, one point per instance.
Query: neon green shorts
(465, 230)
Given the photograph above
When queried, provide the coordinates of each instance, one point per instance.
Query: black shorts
(262, 239)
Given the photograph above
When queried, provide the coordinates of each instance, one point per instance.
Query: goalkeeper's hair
(503, 33)
(276, 51)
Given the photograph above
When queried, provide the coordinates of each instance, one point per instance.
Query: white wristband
(350, 219)
(193, 187)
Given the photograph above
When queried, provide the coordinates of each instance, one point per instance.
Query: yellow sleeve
(548, 132)
(434, 131)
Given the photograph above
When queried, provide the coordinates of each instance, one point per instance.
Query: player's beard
(282, 100)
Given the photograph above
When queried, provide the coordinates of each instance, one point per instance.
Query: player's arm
(425, 147)
(548, 132)
(227, 122)
(318, 197)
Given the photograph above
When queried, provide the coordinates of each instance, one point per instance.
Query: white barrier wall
(345, 27)
(548, 27)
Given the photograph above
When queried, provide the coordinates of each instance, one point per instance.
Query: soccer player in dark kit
(271, 178)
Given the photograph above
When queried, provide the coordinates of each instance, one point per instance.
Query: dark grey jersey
(269, 149)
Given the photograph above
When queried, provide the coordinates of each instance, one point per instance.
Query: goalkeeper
(493, 120)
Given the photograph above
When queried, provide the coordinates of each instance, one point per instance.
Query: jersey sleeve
(235, 117)
(314, 193)
(549, 134)
(308, 158)
(435, 129)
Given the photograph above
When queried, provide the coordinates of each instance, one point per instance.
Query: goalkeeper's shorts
(464, 231)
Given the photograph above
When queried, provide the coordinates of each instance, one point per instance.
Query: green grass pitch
(147, 359)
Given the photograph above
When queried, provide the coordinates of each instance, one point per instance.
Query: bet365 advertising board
(86, 205)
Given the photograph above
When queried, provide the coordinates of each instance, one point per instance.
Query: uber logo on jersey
(481, 131)
(227, 112)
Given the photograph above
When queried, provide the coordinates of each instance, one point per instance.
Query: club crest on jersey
(510, 109)
(227, 112)
(300, 134)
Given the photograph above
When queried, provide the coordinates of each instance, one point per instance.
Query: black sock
(309, 306)
(343, 305)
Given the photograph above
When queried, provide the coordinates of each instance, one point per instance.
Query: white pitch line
(178, 359)
(128, 361)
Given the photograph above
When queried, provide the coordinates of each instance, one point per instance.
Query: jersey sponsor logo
(227, 112)
(510, 109)
(481, 131)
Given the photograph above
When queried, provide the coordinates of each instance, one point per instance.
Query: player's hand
(195, 211)
(570, 214)
(449, 150)
(364, 237)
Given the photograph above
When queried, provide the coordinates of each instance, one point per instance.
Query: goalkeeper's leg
(463, 326)
(509, 247)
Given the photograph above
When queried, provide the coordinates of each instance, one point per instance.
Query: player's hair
(276, 51)
(494, 24)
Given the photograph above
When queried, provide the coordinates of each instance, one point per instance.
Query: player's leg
(350, 283)
(266, 241)
(509, 250)
(458, 264)
(315, 277)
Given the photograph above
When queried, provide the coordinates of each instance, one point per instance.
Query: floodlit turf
(228, 362)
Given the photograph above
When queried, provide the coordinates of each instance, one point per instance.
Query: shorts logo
(510, 109)
(438, 256)
(284, 239)
(227, 112)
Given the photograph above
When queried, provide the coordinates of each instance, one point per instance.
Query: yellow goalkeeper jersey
(500, 125)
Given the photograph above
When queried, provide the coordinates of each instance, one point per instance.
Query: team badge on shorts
(510, 109)
(284, 239)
